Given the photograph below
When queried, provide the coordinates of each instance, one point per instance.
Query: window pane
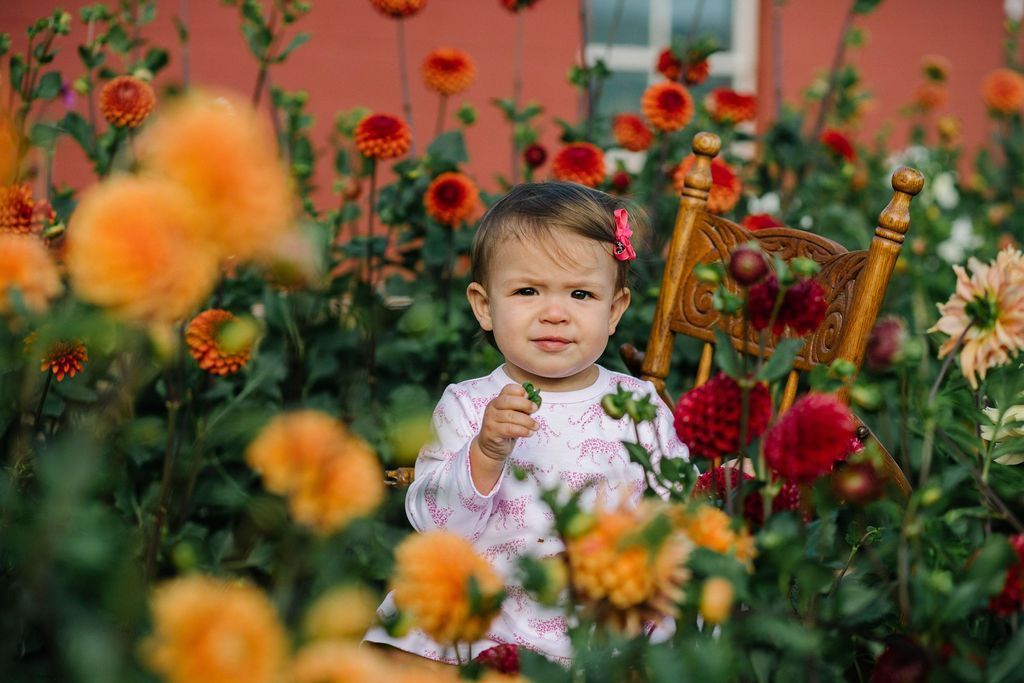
(622, 92)
(715, 20)
(633, 26)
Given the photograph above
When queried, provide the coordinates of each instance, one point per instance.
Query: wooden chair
(854, 282)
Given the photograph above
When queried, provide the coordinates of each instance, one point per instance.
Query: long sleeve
(442, 495)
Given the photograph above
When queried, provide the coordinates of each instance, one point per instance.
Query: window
(645, 28)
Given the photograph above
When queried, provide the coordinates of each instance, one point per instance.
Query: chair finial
(895, 218)
(907, 180)
(706, 144)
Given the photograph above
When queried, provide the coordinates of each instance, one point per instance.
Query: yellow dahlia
(223, 153)
(579, 162)
(126, 101)
(725, 184)
(451, 198)
(64, 359)
(631, 132)
(329, 475)
(208, 630)
(448, 70)
(343, 613)
(132, 248)
(708, 527)
(667, 105)
(21, 214)
(989, 304)
(382, 136)
(1003, 91)
(620, 575)
(432, 585)
(203, 336)
(333, 662)
(398, 8)
(26, 265)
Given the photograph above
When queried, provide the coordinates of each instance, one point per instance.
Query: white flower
(944, 189)
(962, 241)
(806, 222)
(1014, 9)
(1013, 414)
(768, 202)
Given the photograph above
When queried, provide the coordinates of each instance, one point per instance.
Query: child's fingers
(516, 419)
(513, 401)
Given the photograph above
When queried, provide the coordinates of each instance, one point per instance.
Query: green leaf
(298, 40)
(181, 29)
(781, 360)
(43, 135)
(449, 147)
(155, 59)
(726, 356)
(48, 87)
(1005, 665)
(865, 6)
(79, 129)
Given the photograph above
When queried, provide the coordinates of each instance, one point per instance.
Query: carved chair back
(854, 282)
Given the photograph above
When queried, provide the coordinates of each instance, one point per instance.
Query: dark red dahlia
(535, 155)
(669, 66)
(808, 440)
(761, 301)
(707, 418)
(803, 307)
(902, 661)
(621, 181)
(501, 658)
(711, 484)
(885, 342)
(1011, 599)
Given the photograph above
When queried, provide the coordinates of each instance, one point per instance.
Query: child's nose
(553, 312)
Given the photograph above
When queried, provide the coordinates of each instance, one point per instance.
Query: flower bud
(535, 155)
(804, 267)
(238, 335)
(613, 407)
(708, 273)
(857, 483)
(885, 344)
(621, 181)
(716, 600)
(747, 265)
(80, 86)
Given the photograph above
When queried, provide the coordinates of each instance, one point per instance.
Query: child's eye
(525, 291)
(581, 294)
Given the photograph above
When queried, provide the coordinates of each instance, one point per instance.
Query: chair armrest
(633, 358)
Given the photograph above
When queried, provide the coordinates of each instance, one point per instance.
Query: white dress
(576, 445)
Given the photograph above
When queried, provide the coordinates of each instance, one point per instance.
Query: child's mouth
(552, 343)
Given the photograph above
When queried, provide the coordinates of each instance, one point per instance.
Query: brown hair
(537, 211)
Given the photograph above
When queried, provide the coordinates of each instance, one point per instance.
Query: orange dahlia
(1003, 91)
(203, 336)
(25, 265)
(334, 662)
(64, 359)
(343, 613)
(930, 95)
(9, 148)
(451, 198)
(132, 248)
(448, 70)
(329, 475)
(21, 214)
(432, 585)
(621, 574)
(696, 72)
(208, 630)
(725, 184)
(668, 106)
(126, 101)
(579, 162)
(709, 527)
(632, 133)
(382, 136)
(224, 154)
(398, 8)
(727, 105)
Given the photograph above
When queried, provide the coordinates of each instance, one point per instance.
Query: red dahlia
(669, 66)
(632, 133)
(711, 484)
(707, 418)
(501, 658)
(1011, 599)
(126, 101)
(667, 105)
(886, 342)
(802, 310)
(448, 70)
(579, 162)
(64, 359)
(621, 180)
(760, 221)
(839, 144)
(451, 198)
(810, 438)
(725, 104)
(20, 213)
(398, 8)
(382, 136)
(696, 72)
(725, 184)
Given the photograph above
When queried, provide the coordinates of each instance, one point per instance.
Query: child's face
(551, 311)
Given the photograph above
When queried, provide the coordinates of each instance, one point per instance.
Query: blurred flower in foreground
(579, 162)
(224, 154)
(8, 148)
(725, 104)
(501, 658)
(64, 359)
(629, 566)
(205, 343)
(760, 221)
(709, 527)
(711, 484)
(25, 265)
(132, 248)
(716, 600)
(802, 310)
(1013, 414)
(208, 630)
(447, 589)
(809, 438)
(987, 312)
(333, 662)
(707, 418)
(343, 613)
(839, 144)
(1011, 598)
(451, 198)
(725, 184)
(329, 475)
(667, 105)
(902, 661)
(631, 132)
(20, 213)
(126, 101)
(448, 70)
(1003, 91)
(398, 8)
(382, 136)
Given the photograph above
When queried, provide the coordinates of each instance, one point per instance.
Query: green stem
(404, 78)
(37, 424)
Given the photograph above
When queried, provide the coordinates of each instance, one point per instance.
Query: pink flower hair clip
(623, 249)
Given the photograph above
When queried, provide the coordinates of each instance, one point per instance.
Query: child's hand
(506, 419)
